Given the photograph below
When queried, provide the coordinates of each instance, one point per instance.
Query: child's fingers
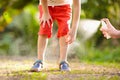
(70, 41)
(48, 23)
(43, 24)
(41, 21)
(67, 39)
(50, 20)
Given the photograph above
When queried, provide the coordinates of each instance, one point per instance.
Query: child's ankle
(63, 61)
(41, 61)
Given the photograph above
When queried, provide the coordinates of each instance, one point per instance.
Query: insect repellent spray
(104, 26)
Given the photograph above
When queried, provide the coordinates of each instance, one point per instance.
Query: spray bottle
(104, 26)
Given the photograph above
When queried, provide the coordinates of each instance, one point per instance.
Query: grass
(18, 69)
(74, 75)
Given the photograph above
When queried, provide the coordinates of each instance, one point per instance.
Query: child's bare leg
(42, 43)
(63, 66)
(63, 49)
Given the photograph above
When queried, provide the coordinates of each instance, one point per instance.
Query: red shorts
(62, 14)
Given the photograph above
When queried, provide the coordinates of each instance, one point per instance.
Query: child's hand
(46, 18)
(70, 37)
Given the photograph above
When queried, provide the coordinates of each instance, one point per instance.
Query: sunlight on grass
(35, 76)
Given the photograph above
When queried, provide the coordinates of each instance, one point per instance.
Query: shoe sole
(35, 70)
(65, 70)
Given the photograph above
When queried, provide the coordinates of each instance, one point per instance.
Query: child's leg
(63, 65)
(63, 49)
(63, 16)
(41, 46)
(42, 43)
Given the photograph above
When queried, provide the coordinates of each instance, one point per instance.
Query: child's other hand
(46, 18)
(70, 37)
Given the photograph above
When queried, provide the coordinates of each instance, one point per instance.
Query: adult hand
(109, 30)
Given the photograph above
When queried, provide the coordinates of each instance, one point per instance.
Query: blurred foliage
(19, 24)
(100, 55)
(18, 27)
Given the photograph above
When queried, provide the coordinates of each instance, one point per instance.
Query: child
(114, 33)
(59, 10)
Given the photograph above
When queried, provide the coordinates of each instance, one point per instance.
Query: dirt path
(17, 68)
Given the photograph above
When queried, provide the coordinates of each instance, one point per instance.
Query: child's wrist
(74, 28)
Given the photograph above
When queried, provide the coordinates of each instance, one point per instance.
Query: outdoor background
(19, 25)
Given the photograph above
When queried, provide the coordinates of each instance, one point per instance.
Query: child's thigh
(63, 17)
